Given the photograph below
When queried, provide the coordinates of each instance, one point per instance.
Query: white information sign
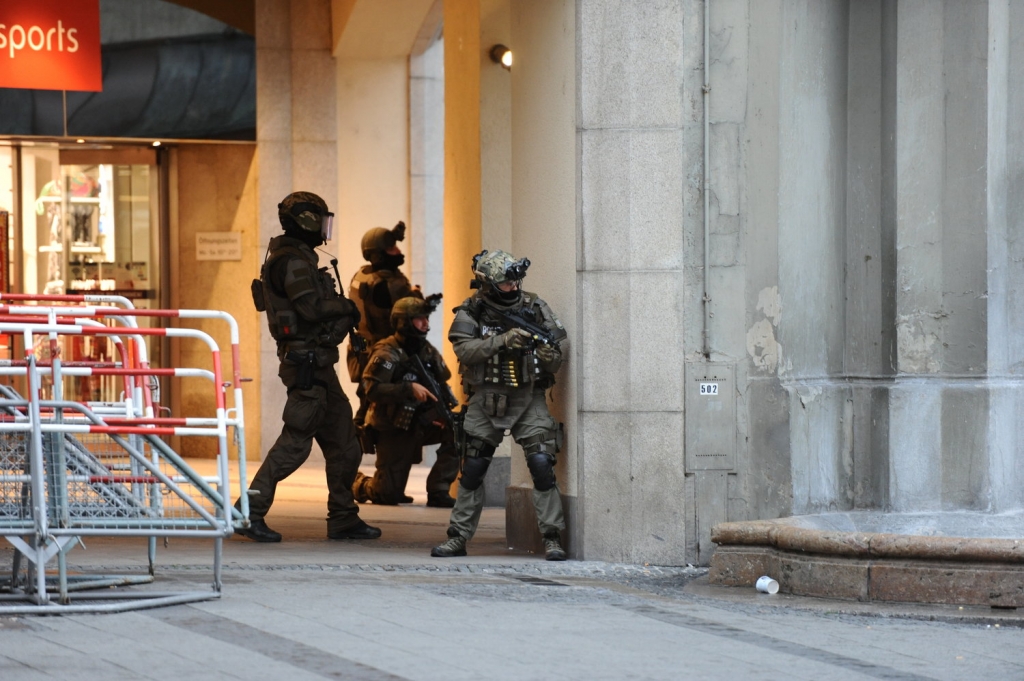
(708, 388)
(218, 245)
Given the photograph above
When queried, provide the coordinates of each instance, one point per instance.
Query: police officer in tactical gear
(405, 413)
(309, 319)
(506, 370)
(374, 289)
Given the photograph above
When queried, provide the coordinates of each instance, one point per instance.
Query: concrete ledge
(869, 566)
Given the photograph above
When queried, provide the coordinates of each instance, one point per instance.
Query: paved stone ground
(312, 609)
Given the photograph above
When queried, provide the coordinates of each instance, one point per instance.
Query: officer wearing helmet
(374, 290)
(510, 345)
(309, 319)
(404, 411)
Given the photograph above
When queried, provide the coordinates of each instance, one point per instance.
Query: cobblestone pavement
(314, 609)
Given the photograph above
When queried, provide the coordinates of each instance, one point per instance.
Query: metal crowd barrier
(71, 470)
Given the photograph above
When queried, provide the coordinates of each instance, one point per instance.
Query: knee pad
(473, 470)
(541, 465)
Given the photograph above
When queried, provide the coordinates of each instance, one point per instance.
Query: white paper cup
(767, 585)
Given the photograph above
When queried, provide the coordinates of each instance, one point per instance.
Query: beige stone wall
(215, 191)
(544, 188)
(296, 136)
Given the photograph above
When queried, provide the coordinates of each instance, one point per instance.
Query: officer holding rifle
(510, 345)
(410, 403)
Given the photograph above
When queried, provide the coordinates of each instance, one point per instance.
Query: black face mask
(505, 297)
(390, 262)
(311, 239)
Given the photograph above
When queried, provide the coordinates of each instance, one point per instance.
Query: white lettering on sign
(17, 36)
(218, 245)
(708, 388)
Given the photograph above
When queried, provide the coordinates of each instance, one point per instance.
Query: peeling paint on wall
(917, 342)
(769, 302)
(762, 346)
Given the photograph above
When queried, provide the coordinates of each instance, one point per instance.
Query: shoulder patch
(383, 362)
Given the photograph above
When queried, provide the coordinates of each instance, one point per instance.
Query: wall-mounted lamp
(502, 55)
(156, 143)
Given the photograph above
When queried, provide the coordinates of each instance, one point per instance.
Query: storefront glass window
(90, 227)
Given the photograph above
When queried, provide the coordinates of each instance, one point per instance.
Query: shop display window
(88, 227)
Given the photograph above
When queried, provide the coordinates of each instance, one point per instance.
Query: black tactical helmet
(378, 240)
(305, 212)
(406, 309)
(491, 268)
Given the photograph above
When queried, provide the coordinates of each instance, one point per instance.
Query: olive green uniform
(403, 425)
(374, 292)
(309, 319)
(507, 392)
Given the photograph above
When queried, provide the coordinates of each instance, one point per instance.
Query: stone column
(634, 167)
(952, 432)
(296, 136)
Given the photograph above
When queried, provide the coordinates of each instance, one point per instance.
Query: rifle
(445, 398)
(541, 335)
(357, 342)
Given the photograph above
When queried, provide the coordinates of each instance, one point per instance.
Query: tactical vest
(400, 415)
(509, 368)
(286, 325)
(375, 322)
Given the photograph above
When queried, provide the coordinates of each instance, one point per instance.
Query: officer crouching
(509, 345)
(405, 383)
(308, 318)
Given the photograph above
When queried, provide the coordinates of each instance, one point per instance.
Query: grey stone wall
(864, 269)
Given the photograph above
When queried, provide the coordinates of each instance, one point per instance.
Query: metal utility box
(710, 425)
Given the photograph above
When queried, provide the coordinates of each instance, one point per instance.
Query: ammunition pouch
(257, 295)
(367, 436)
(306, 362)
(495, 404)
(403, 418)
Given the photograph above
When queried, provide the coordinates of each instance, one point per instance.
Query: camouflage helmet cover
(302, 210)
(497, 267)
(378, 240)
(406, 309)
(410, 307)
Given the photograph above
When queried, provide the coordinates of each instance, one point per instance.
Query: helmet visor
(327, 226)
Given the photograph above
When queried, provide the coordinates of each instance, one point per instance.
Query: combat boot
(440, 500)
(553, 547)
(258, 531)
(455, 546)
(358, 531)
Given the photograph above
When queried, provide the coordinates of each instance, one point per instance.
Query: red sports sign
(50, 45)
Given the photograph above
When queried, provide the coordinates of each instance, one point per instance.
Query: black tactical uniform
(506, 370)
(404, 424)
(309, 319)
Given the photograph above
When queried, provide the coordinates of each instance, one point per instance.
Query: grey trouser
(322, 412)
(535, 422)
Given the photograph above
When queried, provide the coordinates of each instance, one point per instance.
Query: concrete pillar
(462, 207)
(635, 160)
(951, 434)
(543, 201)
(296, 139)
